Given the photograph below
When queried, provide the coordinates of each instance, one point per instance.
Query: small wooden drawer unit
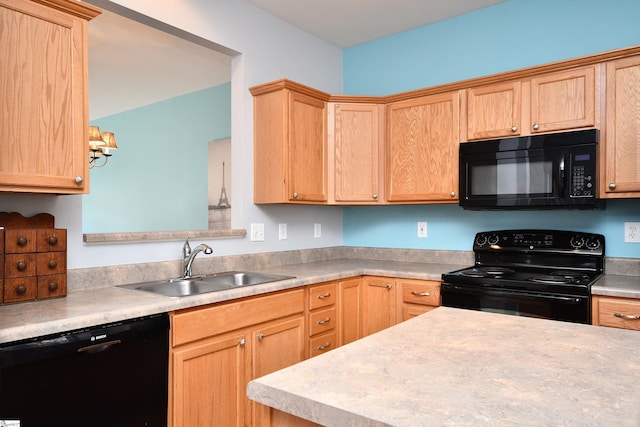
(33, 262)
(322, 318)
(616, 312)
(418, 296)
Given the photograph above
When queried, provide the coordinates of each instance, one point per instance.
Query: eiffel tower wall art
(219, 184)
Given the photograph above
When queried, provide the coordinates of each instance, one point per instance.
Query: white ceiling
(132, 64)
(347, 23)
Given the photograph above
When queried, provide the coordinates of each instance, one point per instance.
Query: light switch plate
(257, 232)
(317, 230)
(282, 231)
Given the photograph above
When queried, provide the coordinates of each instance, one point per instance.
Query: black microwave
(548, 171)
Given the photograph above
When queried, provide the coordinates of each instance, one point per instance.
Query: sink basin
(183, 287)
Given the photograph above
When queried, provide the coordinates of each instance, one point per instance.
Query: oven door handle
(504, 293)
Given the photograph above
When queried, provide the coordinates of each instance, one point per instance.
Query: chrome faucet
(188, 256)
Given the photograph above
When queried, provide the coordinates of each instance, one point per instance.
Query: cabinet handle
(453, 194)
(535, 126)
(79, 180)
(242, 341)
(612, 186)
(20, 290)
(421, 294)
(327, 295)
(386, 285)
(295, 195)
(627, 316)
(514, 129)
(325, 321)
(53, 240)
(53, 263)
(324, 347)
(22, 266)
(53, 286)
(22, 241)
(375, 197)
(260, 336)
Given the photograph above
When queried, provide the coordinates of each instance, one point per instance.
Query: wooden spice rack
(33, 258)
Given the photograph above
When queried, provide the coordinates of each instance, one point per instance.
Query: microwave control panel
(582, 180)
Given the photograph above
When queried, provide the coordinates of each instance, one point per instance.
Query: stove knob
(593, 243)
(577, 241)
(493, 239)
(481, 240)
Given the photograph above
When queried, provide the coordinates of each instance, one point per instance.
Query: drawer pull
(242, 341)
(22, 241)
(324, 322)
(53, 240)
(260, 336)
(627, 316)
(324, 347)
(53, 263)
(21, 290)
(421, 294)
(22, 266)
(327, 295)
(53, 286)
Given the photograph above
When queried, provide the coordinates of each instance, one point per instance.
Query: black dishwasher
(108, 375)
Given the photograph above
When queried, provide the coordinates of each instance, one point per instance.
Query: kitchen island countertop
(462, 367)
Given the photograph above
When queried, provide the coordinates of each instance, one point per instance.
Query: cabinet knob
(514, 129)
(375, 197)
(53, 286)
(22, 266)
(535, 126)
(22, 241)
(453, 194)
(260, 336)
(388, 286)
(79, 180)
(612, 186)
(242, 341)
(295, 195)
(20, 290)
(53, 263)
(53, 240)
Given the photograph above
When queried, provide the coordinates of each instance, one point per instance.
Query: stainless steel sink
(182, 287)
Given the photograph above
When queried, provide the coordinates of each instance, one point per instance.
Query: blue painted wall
(508, 36)
(157, 180)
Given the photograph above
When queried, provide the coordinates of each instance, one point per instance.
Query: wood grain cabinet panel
(422, 149)
(43, 81)
(616, 312)
(621, 155)
(494, 111)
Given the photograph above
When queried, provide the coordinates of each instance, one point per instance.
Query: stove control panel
(539, 240)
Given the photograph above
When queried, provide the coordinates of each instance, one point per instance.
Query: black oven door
(557, 307)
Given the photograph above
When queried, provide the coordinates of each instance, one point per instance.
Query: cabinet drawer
(196, 323)
(19, 265)
(413, 310)
(51, 240)
(322, 321)
(51, 263)
(20, 241)
(52, 286)
(425, 293)
(322, 344)
(322, 295)
(20, 289)
(619, 313)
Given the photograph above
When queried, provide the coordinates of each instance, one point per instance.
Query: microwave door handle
(563, 183)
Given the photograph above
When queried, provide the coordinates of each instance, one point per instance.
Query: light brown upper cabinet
(43, 82)
(355, 152)
(290, 149)
(422, 149)
(620, 160)
(545, 103)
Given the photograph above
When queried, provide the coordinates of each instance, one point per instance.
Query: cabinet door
(621, 161)
(307, 149)
(494, 111)
(356, 139)
(379, 304)
(44, 120)
(350, 311)
(564, 100)
(275, 346)
(208, 382)
(422, 149)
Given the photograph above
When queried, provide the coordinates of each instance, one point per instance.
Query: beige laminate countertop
(92, 307)
(451, 367)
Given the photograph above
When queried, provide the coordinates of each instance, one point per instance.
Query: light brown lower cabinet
(216, 350)
(616, 312)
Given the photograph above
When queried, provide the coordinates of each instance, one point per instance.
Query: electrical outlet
(317, 230)
(257, 232)
(632, 232)
(282, 231)
(422, 230)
